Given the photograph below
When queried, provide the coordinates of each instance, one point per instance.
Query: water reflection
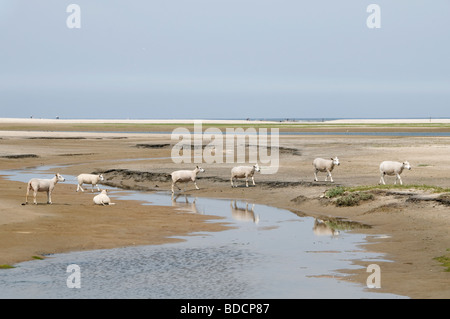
(268, 256)
(321, 228)
(244, 214)
(185, 205)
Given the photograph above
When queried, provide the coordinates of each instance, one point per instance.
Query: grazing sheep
(103, 199)
(89, 179)
(244, 172)
(323, 165)
(43, 185)
(184, 176)
(393, 168)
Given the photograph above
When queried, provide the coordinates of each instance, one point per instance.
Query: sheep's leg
(98, 188)
(315, 176)
(92, 188)
(382, 179)
(246, 181)
(253, 180)
(26, 196)
(34, 196)
(49, 197)
(175, 184)
(231, 179)
(399, 178)
(195, 183)
(331, 177)
(79, 187)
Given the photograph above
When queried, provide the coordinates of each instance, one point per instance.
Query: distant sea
(275, 119)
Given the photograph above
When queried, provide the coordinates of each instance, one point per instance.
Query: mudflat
(414, 220)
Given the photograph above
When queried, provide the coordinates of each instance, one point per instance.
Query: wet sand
(416, 230)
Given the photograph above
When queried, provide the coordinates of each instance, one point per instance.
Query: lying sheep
(102, 199)
(323, 165)
(393, 168)
(244, 172)
(89, 179)
(43, 185)
(184, 176)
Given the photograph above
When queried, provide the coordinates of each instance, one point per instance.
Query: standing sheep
(323, 165)
(393, 168)
(43, 185)
(102, 199)
(244, 172)
(89, 179)
(184, 176)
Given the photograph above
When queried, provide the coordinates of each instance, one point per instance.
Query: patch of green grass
(432, 188)
(6, 267)
(37, 257)
(334, 192)
(444, 260)
(353, 198)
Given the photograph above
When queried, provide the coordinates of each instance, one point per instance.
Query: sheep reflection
(185, 205)
(243, 214)
(321, 228)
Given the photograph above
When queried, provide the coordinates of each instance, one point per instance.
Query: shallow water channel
(270, 253)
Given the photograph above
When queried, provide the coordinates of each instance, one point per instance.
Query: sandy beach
(414, 221)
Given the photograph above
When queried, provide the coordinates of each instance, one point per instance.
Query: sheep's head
(336, 161)
(406, 165)
(201, 170)
(60, 177)
(257, 168)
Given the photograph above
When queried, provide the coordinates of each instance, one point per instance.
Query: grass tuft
(352, 196)
(444, 260)
(6, 267)
(353, 199)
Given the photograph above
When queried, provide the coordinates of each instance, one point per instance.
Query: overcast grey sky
(224, 59)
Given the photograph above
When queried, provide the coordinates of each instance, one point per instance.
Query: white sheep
(43, 185)
(393, 168)
(92, 179)
(244, 172)
(184, 176)
(102, 199)
(324, 165)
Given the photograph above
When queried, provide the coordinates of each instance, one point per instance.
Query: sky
(200, 59)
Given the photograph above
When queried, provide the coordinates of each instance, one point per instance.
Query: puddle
(270, 253)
